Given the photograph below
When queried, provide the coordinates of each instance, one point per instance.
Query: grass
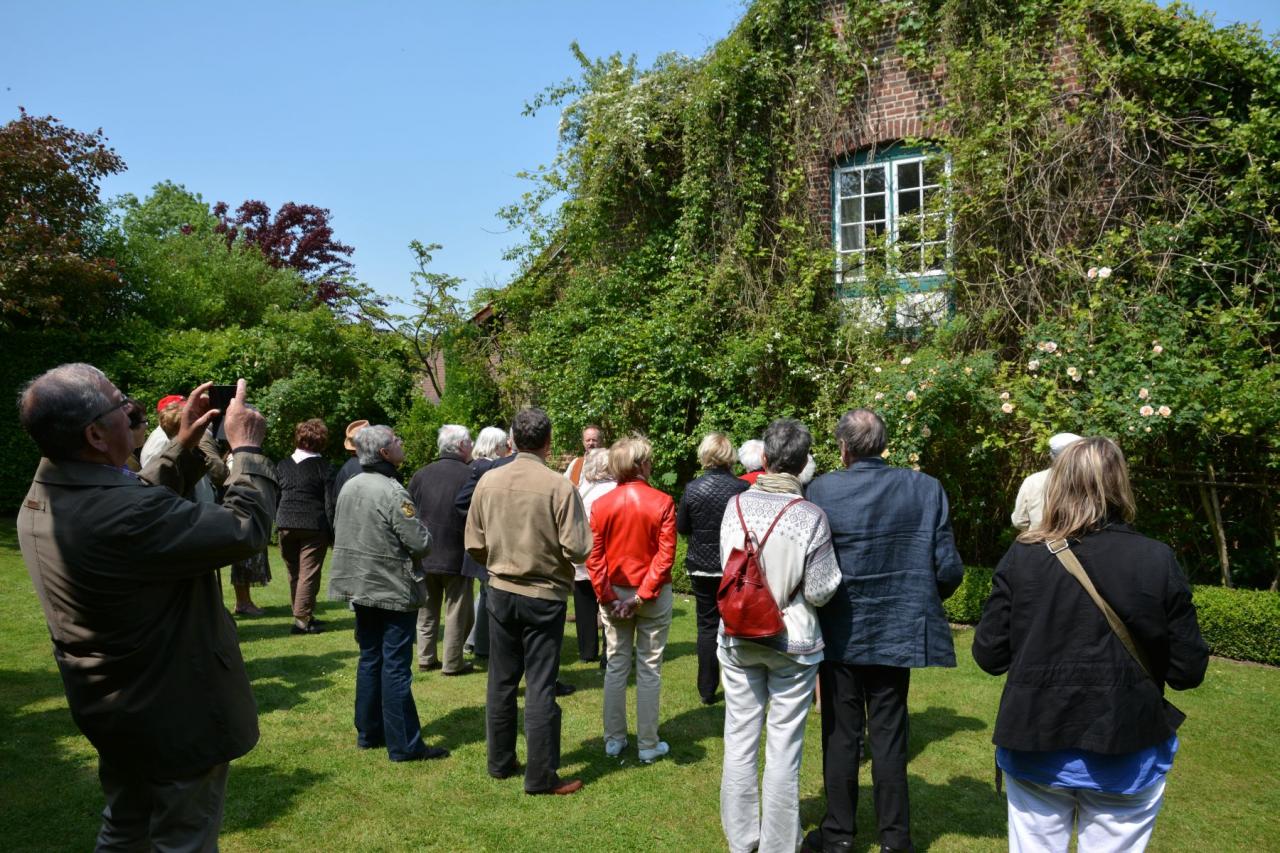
(306, 787)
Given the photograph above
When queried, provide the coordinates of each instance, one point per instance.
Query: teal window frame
(886, 163)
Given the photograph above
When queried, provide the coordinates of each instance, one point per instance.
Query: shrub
(1240, 623)
(965, 605)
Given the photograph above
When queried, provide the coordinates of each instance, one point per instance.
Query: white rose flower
(1007, 408)
(1004, 395)
(1033, 365)
(911, 396)
(1146, 411)
(876, 369)
(1050, 346)
(1105, 272)
(926, 432)
(1093, 272)
(1164, 411)
(1157, 349)
(1143, 393)
(906, 360)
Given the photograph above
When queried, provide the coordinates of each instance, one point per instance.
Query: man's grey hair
(370, 440)
(750, 454)
(451, 438)
(56, 406)
(490, 443)
(862, 433)
(786, 444)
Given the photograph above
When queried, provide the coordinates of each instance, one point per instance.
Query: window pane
(908, 202)
(909, 229)
(934, 170)
(850, 211)
(874, 182)
(876, 228)
(935, 227)
(908, 175)
(850, 237)
(850, 183)
(874, 206)
(934, 255)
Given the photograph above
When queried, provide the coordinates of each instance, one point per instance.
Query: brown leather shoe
(566, 787)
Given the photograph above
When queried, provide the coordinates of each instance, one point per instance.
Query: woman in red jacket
(633, 530)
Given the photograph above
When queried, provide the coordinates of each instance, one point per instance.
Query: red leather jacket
(633, 540)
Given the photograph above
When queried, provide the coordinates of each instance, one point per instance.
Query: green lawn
(306, 787)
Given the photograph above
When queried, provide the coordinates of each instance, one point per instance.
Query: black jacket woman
(1083, 732)
(698, 518)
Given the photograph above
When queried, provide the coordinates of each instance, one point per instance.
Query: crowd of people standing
(835, 584)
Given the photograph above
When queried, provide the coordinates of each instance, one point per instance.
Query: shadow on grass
(937, 723)
(684, 732)
(258, 796)
(277, 622)
(962, 806)
(284, 682)
(51, 795)
(459, 727)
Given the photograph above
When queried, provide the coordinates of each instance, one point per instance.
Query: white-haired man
(434, 488)
(1029, 506)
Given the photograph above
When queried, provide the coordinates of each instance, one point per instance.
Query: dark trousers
(303, 555)
(877, 697)
(525, 634)
(145, 814)
(587, 611)
(708, 621)
(385, 711)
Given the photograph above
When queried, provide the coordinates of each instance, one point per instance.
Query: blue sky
(404, 119)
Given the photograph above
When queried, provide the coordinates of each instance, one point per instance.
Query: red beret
(165, 401)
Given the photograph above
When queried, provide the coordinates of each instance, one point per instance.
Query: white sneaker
(613, 746)
(648, 756)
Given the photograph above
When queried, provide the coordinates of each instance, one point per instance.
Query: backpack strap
(755, 548)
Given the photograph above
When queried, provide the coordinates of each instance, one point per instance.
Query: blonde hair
(595, 465)
(628, 456)
(171, 419)
(715, 451)
(1089, 483)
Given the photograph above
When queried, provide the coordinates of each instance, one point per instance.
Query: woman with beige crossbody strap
(1090, 620)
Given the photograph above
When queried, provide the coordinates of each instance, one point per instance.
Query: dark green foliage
(1240, 623)
(964, 607)
(1113, 192)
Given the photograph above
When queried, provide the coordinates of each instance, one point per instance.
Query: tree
(299, 236)
(50, 218)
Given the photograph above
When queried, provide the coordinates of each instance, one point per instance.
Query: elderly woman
(1084, 734)
(377, 543)
(779, 671)
(596, 482)
(698, 517)
(491, 444)
(304, 517)
(633, 531)
(751, 456)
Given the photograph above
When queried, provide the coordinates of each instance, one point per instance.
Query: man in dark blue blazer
(898, 561)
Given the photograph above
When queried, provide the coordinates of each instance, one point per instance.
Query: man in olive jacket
(125, 571)
(892, 535)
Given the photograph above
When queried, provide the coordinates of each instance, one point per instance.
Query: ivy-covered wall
(1112, 207)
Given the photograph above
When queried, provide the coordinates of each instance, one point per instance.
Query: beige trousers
(646, 633)
(455, 592)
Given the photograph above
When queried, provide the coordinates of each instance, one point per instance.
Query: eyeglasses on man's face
(135, 408)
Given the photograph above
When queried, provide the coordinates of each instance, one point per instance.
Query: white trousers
(646, 633)
(1042, 818)
(754, 677)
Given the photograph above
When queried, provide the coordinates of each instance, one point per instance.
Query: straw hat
(353, 428)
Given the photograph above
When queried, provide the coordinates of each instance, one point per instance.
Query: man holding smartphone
(125, 573)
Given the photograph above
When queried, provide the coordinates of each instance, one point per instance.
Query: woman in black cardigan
(305, 519)
(1084, 735)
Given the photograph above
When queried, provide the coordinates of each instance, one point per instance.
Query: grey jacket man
(378, 540)
(125, 572)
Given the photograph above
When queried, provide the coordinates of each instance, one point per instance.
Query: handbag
(747, 606)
